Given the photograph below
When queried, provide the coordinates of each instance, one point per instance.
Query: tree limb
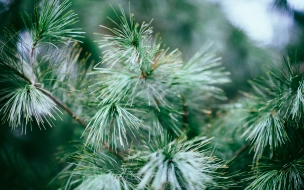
(240, 150)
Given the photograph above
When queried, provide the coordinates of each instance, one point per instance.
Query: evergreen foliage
(134, 107)
(272, 119)
(279, 174)
(98, 170)
(163, 161)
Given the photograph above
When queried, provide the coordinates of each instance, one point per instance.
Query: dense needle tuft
(279, 174)
(127, 40)
(51, 23)
(97, 170)
(277, 107)
(27, 104)
(178, 164)
(111, 124)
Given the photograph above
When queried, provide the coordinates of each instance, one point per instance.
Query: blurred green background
(247, 34)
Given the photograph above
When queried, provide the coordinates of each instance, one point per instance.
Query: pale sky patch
(297, 5)
(259, 21)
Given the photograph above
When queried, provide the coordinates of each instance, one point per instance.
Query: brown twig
(78, 119)
(240, 150)
(31, 58)
(185, 113)
(17, 72)
(62, 105)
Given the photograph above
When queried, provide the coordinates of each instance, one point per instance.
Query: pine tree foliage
(272, 119)
(30, 67)
(125, 41)
(24, 104)
(131, 96)
(279, 103)
(279, 174)
(50, 24)
(112, 121)
(97, 170)
(139, 70)
(166, 164)
(135, 106)
(161, 163)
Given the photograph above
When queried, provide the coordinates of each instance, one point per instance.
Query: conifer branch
(185, 113)
(240, 150)
(144, 93)
(163, 163)
(16, 71)
(56, 100)
(62, 105)
(32, 57)
(74, 116)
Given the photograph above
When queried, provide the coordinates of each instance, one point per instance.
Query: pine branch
(16, 71)
(98, 169)
(278, 104)
(32, 57)
(112, 123)
(279, 174)
(57, 101)
(63, 106)
(78, 119)
(176, 164)
(240, 150)
(51, 23)
(185, 114)
(139, 72)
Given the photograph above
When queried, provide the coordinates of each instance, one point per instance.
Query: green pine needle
(97, 170)
(114, 85)
(27, 104)
(51, 23)
(111, 124)
(279, 104)
(288, 84)
(265, 129)
(178, 164)
(279, 174)
(202, 72)
(126, 40)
